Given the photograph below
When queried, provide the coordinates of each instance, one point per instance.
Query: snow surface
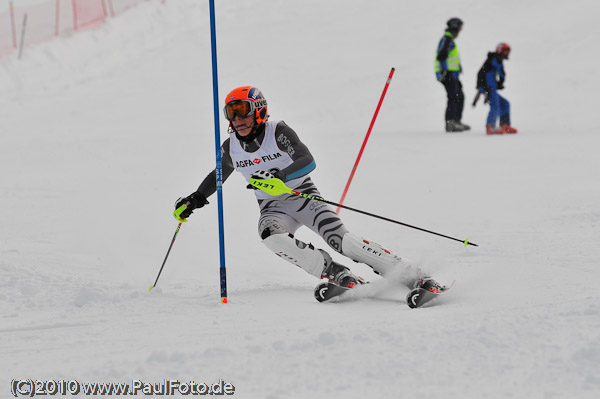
(102, 131)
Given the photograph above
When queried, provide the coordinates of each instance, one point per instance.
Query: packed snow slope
(103, 131)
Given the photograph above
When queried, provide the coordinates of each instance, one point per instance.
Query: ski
(418, 297)
(326, 291)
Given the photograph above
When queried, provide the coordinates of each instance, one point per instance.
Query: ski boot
(489, 129)
(455, 127)
(340, 279)
(425, 289)
(508, 128)
(429, 284)
(464, 126)
(341, 275)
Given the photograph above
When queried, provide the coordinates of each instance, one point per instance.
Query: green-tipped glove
(193, 201)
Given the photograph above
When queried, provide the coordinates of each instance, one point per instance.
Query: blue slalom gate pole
(219, 168)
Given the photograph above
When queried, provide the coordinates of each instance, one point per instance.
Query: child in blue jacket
(490, 79)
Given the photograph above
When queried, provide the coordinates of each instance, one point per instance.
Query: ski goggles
(241, 108)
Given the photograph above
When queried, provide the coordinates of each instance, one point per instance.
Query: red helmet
(245, 101)
(504, 49)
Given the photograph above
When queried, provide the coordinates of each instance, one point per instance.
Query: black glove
(194, 201)
(500, 84)
(486, 97)
(443, 76)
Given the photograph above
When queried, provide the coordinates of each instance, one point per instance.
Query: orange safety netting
(43, 21)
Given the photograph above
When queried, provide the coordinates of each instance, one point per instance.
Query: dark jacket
(492, 69)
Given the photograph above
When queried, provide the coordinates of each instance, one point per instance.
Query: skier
(490, 79)
(447, 71)
(260, 148)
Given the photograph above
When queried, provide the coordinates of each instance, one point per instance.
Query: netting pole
(12, 23)
(23, 28)
(111, 8)
(74, 14)
(57, 19)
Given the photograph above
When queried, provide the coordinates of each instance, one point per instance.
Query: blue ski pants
(499, 107)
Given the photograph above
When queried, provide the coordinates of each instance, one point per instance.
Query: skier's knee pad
(383, 261)
(270, 226)
(296, 252)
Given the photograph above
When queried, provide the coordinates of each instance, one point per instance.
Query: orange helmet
(245, 101)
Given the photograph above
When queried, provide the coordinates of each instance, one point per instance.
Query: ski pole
(170, 246)
(275, 186)
(476, 98)
(364, 144)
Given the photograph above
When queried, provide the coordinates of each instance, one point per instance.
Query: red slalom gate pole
(364, 144)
